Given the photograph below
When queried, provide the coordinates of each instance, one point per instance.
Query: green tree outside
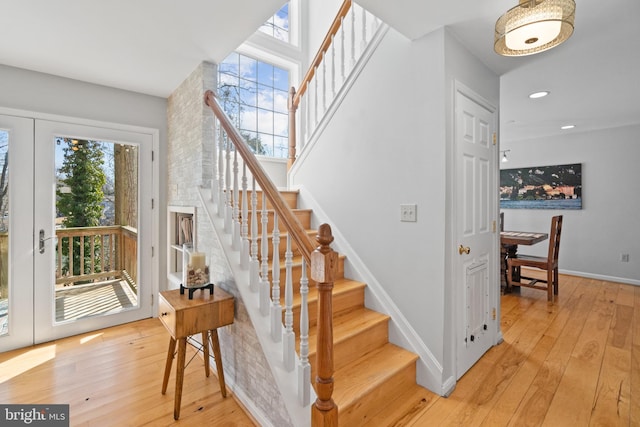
(80, 193)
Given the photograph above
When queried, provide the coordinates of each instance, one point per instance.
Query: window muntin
(278, 25)
(254, 95)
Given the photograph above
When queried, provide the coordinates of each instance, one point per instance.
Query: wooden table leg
(167, 366)
(182, 348)
(216, 354)
(205, 349)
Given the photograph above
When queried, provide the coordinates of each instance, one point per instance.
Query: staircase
(374, 380)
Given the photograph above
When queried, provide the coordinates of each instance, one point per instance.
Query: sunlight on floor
(26, 360)
(88, 338)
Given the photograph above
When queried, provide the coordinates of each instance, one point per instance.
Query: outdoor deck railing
(101, 252)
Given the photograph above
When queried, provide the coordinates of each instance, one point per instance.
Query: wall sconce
(504, 155)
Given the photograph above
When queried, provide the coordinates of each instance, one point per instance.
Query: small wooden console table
(183, 317)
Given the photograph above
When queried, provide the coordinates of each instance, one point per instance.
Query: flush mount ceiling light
(534, 26)
(541, 94)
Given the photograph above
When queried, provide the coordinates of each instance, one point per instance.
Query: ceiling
(593, 77)
(150, 46)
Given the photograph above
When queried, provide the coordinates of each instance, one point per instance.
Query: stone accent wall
(189, 160)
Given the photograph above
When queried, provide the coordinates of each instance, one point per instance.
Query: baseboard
(601, 277)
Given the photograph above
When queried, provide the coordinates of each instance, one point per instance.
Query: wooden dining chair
(504, 250)
(548, 263)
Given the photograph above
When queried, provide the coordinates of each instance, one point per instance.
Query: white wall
(609, 223)
(387, 145)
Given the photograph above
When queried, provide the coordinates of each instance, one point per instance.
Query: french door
(78, 229)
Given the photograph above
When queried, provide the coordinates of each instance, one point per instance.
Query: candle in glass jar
(198, 260)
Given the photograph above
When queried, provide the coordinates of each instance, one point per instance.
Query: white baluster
(214, 163)
(342, 37)
(244, 228)
(307, 118)
(363, 41)
(315, 101)
(264, 280)
(324, 85)
(304, 368)
(288, 336)
(276, 308)
(353, 38)
(333, 67)
(228, 212)
(221, 199)
(235, 212)
(254, 274)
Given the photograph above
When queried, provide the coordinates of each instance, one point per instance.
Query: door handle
(464, 250)
(42, 240)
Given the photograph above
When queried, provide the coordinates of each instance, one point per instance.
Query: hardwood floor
(575, 362)
(113, 377)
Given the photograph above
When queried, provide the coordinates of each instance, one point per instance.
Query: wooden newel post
(292, 127)
(324, 262)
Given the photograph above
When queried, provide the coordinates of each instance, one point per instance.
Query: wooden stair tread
(401, 408)
(340, 286)
(349, 324)
(368, 372)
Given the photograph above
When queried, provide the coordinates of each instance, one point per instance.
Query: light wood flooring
(575, 362)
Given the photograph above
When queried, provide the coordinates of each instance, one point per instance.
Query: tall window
(254, 95)
(278, 25)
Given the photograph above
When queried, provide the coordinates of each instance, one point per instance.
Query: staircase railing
(322, 260)
(344, 45)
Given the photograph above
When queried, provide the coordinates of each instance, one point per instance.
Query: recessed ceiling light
(565, 127)
(540, 94)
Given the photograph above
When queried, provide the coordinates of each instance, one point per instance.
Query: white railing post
(244, 228)
(276, 308)
(264, 280)
(324, 85)
(227, 185)
(235, 211)
(288, 336)
(304, 368)
(342, 72)
(353, 38)
(333, 68)
(363, 41)
(221, 198)
(214, 163)
(254, 274)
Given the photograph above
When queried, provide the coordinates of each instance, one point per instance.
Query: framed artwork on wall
(542, 187)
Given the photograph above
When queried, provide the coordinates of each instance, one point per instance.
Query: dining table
(509, 242)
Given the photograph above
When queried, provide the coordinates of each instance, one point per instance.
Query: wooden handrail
(285, 214)
(335, 26)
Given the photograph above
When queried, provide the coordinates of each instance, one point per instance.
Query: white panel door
(16, 232)
(475, 234)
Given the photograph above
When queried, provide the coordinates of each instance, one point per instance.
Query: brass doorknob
(464, 250)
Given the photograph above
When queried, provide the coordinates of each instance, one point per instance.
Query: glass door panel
(88, 229)
(16, 227)
(96, 228)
